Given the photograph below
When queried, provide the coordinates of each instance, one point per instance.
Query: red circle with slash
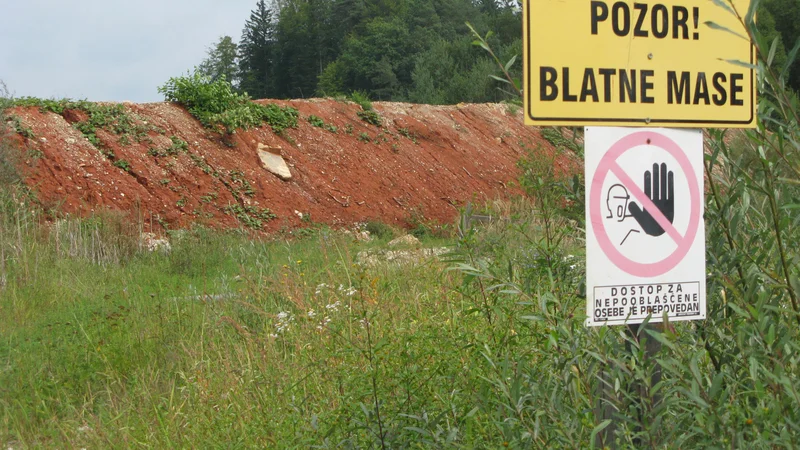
(608, 164)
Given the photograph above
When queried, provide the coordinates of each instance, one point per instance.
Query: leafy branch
(482, 42)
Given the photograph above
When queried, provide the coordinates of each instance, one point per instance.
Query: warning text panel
(644, 63)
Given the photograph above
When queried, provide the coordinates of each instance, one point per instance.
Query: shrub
(362, 100)
(380, 230)
(730, 380)
(216, 105)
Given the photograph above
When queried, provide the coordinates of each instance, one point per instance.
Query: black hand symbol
(662, 192)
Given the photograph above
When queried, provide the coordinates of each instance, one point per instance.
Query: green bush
(380, 230)
(361, 99)
(216, 105)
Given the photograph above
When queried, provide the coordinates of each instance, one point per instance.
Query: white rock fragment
(272, 160)
(153, 243)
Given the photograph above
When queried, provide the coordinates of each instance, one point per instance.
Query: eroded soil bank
(423, 162)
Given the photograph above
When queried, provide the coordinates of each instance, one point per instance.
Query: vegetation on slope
(216, 105)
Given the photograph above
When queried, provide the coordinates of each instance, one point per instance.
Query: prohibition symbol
(652, 212)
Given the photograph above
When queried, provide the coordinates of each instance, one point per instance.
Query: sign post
(643, 78)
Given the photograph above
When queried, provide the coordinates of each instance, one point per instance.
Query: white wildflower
(349, 291)
(324, 323)
(311, 313)
(284, 320)
(333, 306)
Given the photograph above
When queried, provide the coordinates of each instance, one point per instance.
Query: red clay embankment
(425, 160)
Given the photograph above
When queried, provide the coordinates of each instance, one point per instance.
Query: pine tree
(257, 53)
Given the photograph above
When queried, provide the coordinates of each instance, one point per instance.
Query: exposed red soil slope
(425, 161)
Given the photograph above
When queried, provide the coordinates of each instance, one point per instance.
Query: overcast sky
(109, 50)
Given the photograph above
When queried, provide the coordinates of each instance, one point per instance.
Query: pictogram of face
(617, 202)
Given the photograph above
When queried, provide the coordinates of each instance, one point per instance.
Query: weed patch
(241, 184)
(371, 117)
(557, 139)
(408, 134)
(122, 164)
(319, 123)
(361, 99)
(110, 117)
(15, 122)
(216, 106)
(250, 216)
(200, 163)
(316, 121)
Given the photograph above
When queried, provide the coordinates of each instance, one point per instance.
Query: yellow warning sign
(675, 63)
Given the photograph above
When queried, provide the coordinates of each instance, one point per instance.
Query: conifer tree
(257, 53)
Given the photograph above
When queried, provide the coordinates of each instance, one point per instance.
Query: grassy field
(225, 341)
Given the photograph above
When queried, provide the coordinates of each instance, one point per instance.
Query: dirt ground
(423, 163)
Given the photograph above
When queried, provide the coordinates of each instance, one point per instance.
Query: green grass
(292, 343)
(226, 339)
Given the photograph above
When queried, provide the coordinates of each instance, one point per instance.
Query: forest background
(418, 51)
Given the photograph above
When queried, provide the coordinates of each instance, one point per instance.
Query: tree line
(402, 50)
(419, 51)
